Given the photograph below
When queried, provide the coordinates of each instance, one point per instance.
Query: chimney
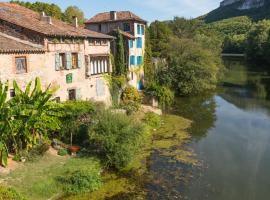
(75, 21)
(113, 15)
(45, 18)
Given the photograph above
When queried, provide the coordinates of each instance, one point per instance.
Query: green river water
(231, 140)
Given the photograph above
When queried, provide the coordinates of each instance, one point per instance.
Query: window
(99, 27)
(139, 42)
(132, 60)
(72, 94)
(98, 42)
(92, 42)
(138, 29)
(21, 66)
(126, 27)
(139, 60)
(62, 61)
(104, 42)
(130, 43)
(142, 29)
(12, 93)
(99, 65)
(74, 60)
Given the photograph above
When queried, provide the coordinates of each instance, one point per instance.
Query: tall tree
(72, 11)
(148, 64)
(120, 65)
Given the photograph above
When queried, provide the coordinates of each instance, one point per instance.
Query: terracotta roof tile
(29, 19)
(121, 16)
(9, 45)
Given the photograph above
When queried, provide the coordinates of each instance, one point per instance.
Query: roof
(121, 16)
(125, 34)
(29, 19)
(14, 45)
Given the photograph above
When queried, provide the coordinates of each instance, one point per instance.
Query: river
(231, 140)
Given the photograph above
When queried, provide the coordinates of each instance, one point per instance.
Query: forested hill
(255, 9)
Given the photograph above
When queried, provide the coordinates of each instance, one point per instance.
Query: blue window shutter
(68, 61)
(80, 60)
(78, 94)
(130, 43)
(138, 29)
(57, 62)
(142, 30)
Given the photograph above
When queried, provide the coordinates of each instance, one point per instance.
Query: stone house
(132, 28)
(66, 56)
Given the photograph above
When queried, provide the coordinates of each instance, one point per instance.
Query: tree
(159, 36)
(257, 41)
(49, 9)
(72, 11)
(120, 65)
(193, 69)
(148, 64)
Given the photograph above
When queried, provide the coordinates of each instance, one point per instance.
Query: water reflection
(201, 110)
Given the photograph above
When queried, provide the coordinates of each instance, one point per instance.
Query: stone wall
(43, 66)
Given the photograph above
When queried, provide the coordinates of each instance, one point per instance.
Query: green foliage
(163, 94)
(72, 11)
(193, 68)
(153, 120)
(76, 115)
(37, 152)
(81, 180)
(50, 9)
(120, 65)
(159, 34)
(117, 138)
(9, 194)
(3, 154)
(233, 32)
(148, 65)
(131, 99)
(192, 63)
(34, 115)
(258, 41)
(62, 152)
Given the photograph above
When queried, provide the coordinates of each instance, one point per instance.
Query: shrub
(76, 117)
(163, 94)
(152, 119)
(131, 99)
(9, 194)
(117, 138)
(82, 180)
(62, 152)
(37, 152)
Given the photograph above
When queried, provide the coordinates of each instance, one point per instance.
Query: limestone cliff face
(245, 4)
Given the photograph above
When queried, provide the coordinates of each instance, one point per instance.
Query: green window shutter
(68, 61)
(80, 55)
(78, 94)
(57, 62)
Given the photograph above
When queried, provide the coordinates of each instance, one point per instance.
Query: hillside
(256, 9)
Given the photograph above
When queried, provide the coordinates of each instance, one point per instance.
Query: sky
(149, 10)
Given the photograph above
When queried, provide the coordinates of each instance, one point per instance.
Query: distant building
(132, 28)
(65, 56)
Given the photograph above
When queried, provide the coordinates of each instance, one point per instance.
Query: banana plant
(33, 113)
(4, 124)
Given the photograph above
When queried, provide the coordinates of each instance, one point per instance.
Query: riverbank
(35, 180)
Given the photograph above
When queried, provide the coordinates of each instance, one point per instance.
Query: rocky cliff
(256, 9)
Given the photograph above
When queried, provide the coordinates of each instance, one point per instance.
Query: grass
(37, 180)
